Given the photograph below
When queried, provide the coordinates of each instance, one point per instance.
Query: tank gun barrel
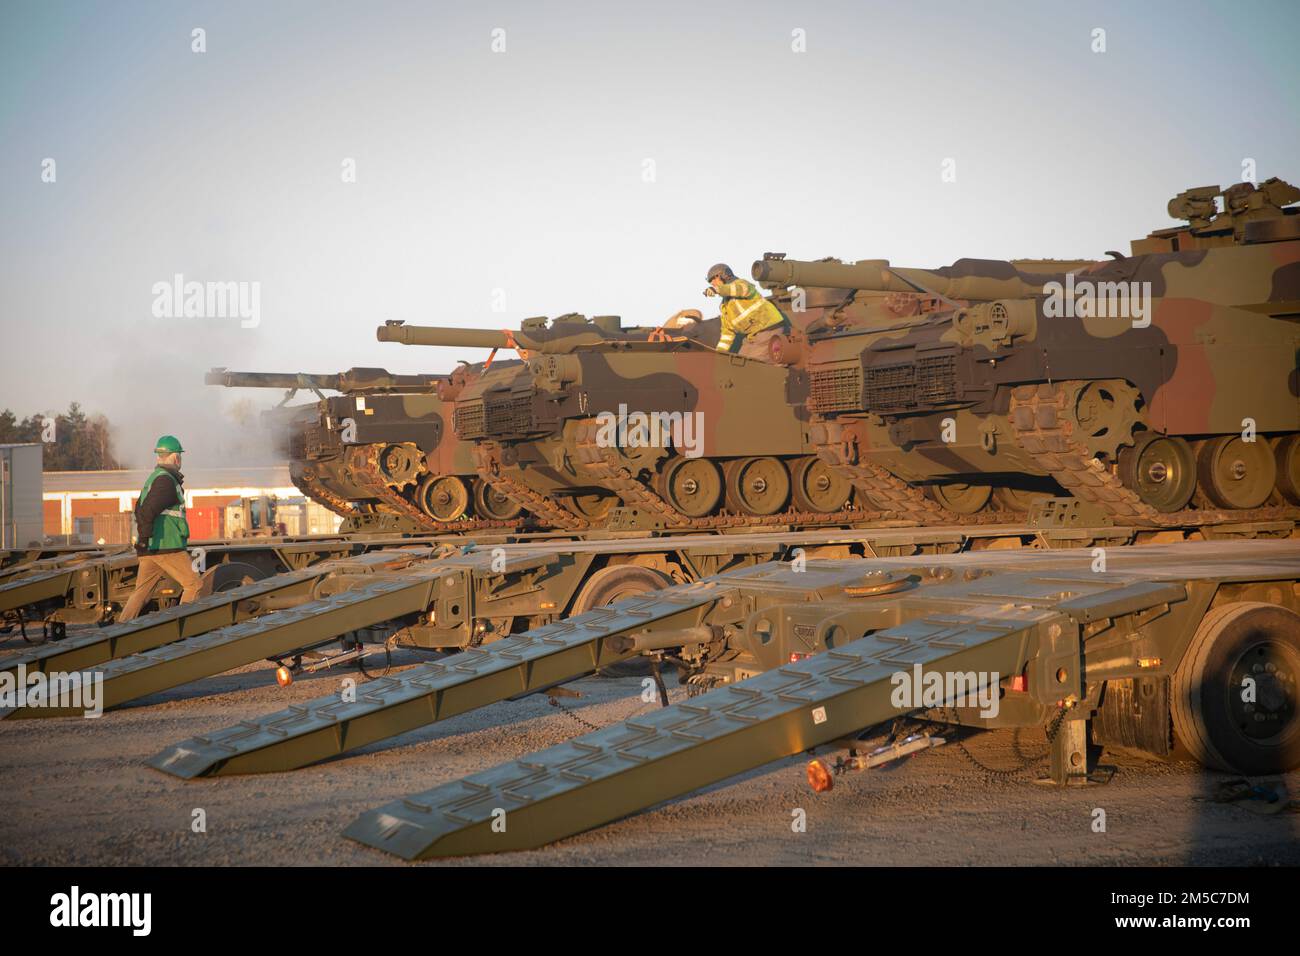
(564, 334)
(353, 380)
(984, 282)
(443, 335)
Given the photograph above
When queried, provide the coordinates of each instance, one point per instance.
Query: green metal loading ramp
(514, 665)
(95, 646)
(192, 641)
(633, 765)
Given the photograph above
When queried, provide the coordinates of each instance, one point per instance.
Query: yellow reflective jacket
(744, 310)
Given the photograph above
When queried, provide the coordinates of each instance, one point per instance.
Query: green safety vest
(170, 529)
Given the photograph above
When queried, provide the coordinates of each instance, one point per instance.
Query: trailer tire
(612, 584)
(1210, 717)
(228, 576)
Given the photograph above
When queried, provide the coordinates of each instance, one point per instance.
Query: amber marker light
(819, 776)
(283, 676)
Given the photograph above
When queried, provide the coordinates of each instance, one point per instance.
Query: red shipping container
(205, 523)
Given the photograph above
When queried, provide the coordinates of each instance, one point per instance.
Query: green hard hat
(168, 444)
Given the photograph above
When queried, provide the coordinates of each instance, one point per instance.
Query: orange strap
(512, 344)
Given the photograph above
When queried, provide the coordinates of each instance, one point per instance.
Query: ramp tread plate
(432, 680)
(633, 746)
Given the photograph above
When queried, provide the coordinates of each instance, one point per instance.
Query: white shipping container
(21, 487)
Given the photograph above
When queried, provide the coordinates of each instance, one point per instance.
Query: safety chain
(1053, 728)
(588, 725)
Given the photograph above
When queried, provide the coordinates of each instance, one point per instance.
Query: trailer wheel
(614, 583)
(1235, 691)
(231, 575)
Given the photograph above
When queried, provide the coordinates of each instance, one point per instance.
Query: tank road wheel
(1236, 473)
(693, 486)
(595, 508)
(863, 500)
(1162, 470)
(442, 497)
(757, 486)
(400, 464)
(614, 583)
(493, 505)
(1241, 650)
(1020, 500)
(1286, 456)
(816, 487)
(961, 498)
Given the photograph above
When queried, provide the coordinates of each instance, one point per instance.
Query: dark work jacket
(161, 497)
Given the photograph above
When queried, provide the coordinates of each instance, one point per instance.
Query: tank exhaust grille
(467, 419)
(836, 389)
(891, 386)
(509, 416)
(936, 379)
(931, 380)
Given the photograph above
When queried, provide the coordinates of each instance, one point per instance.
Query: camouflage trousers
(759, 345)
(153, 568)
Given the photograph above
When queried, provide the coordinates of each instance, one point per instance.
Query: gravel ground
(77, 792)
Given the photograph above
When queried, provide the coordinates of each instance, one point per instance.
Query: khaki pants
(153, 568)
(759, 345)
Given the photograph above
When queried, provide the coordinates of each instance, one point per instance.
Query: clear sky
(599, 164)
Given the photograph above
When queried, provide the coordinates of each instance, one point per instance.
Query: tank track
(313, 489)
(1045, 428)
(605, 466)
(488, 460)
(366, 473)
(902, 500)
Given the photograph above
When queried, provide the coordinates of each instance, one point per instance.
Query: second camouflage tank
(654, 419)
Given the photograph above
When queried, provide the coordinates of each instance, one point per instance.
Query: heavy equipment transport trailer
(486, 598)
(59, 586)
(486, 592)
(1198, 641)
(19, 560)
(79, 585)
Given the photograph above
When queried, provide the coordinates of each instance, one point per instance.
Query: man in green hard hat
(744, 310)
(162, 532)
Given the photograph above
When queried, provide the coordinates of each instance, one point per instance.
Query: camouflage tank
(382, 447)
(1148, 385)
(652, 418)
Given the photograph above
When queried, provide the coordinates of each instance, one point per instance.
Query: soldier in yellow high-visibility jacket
(744, 310)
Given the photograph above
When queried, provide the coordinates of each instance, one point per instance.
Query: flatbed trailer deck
(491, 591)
